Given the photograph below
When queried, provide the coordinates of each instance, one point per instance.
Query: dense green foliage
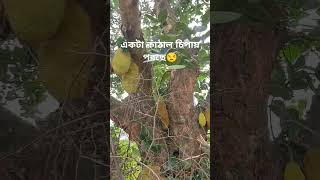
(19, 75)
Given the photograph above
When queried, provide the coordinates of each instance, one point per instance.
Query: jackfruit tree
(155, 105)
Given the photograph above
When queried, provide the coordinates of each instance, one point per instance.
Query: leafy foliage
(129, 153)
(295, 72)
(19, 76)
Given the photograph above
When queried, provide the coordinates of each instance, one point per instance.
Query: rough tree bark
(242, 61)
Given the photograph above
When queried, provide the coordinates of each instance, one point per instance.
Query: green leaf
(293, 132)
(184, 53)
(184, 29)
(116, 3)
(206, 17)
(301, 105)
(298, 80)
(119, 41)
(172, 67)
(156, 148)
(300, 62)
(165, 77)
(298, 84)
(203, 56)
(220, 17)
(162, 16)
(153, 19)
(202, 76)
(168, 37)
(281, 91)
(278, 75)
(278, 108)
(292, 52)
(293, 114)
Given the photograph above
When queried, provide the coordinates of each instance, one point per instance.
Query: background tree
(71, 142)
(260, 53)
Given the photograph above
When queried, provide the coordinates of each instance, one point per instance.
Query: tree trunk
(242, 61)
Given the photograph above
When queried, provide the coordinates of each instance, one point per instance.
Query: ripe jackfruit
(121, 62)
(207, 115)
(163, 113)
(312, 164)
(34, 20)
(130, 80)
(293, 172)
(202, 119)
(61, 59)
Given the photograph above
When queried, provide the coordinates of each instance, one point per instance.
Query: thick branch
(118, 113)
(123, 114)
(182, 114)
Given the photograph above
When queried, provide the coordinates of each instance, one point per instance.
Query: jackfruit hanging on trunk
(34, 20)
(64, 61)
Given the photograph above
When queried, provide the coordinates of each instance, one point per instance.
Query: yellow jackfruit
(121, 62)
(63, 60)
(34, 20)
(163, 113)
(130, 80)
(293, 172)
(202, 119)
(207, 115)
(312, 164)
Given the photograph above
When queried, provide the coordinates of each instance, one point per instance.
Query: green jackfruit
(293, 172)
(34, 20)
(62, 61)
(312, 164)
(130, 80)
(121, 62)
(202, 119)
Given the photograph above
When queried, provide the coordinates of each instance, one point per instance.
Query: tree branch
(131, 29)
(182, 114)
(130, 113)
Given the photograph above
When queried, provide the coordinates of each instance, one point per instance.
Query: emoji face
(171, 57)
